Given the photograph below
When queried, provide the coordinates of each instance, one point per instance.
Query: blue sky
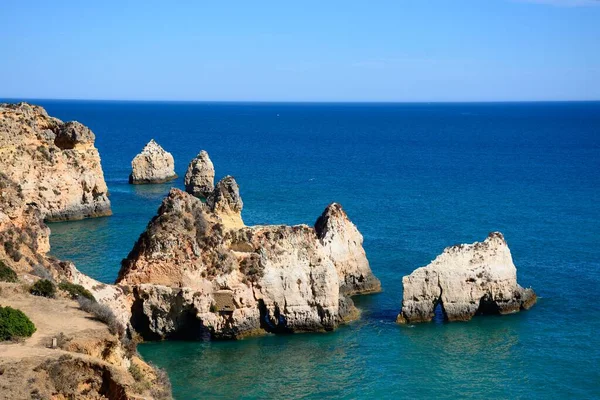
(399, 50)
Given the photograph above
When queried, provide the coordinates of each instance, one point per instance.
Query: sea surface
(414, 178)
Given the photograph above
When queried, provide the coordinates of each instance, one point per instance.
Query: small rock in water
(152, 165)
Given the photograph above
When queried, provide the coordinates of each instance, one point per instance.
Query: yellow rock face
(55, 164)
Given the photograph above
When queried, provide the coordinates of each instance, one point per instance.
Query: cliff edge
(54, 163)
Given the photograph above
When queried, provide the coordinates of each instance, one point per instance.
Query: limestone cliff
(152, 165)
(466, 280)
(197, 269)
(200, 176)
(54, 164)
(343, 244)
(24, 238)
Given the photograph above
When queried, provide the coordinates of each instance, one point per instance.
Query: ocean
(414, 178)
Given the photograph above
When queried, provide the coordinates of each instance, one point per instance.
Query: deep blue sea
(414, 178)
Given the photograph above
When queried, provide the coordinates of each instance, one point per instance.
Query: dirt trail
(50, 317)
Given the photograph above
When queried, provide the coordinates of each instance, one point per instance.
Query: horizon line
(29, 99)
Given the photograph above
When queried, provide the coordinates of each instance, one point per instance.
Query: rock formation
(55, 164)
(466, 280)
(152, 165)
(198, 270)
(343, 244)
(24, 237)
(226, 202)
(91, 360)
(200, 176)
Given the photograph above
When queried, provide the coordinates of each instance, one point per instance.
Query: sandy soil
(50, 316)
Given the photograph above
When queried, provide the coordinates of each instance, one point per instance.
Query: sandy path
(50, 317)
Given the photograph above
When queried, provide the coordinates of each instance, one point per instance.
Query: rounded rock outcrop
(153, 165)
(200, 176)
(465, 280)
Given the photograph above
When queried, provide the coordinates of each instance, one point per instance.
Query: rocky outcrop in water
(198, 270)
(466, 280)
(200, 176)
(54, 164)
(152, 165)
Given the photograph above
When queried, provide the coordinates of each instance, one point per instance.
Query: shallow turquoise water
(415, 178)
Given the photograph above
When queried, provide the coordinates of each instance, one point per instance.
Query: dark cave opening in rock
(190, 327)
(267, 323)
(140, 321)
(439, 313)
(487, 306)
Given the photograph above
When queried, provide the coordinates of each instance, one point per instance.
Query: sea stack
(152, 165)
(197, 269)
(200, 176)
(55, 164)
(466, 280)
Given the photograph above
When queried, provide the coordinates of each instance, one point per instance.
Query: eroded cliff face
(466, 280)
(198, 270)
(24, 238)
(152, 165)
(55, 164)
(343, 244)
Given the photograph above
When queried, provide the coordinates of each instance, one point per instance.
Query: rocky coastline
(88, 357)
(198, 271)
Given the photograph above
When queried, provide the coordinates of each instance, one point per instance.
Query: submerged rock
(466, 280)
(152, 165)
(200, 176)
(55, 164)
(195, 272)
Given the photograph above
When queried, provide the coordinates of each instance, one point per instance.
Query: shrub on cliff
(102, 313)
(14, 324)
(43, 288)
(161, 389)
(42, 272)
(7, 274)
(76, 291)
(12, 250)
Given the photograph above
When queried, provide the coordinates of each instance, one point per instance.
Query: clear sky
(397, 50)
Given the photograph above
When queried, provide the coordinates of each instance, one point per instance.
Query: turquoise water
(414, 178)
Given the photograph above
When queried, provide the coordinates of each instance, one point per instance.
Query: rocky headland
(88, 358)
(465, 280)
(92, 356)
(54, 164)
(152, 165)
